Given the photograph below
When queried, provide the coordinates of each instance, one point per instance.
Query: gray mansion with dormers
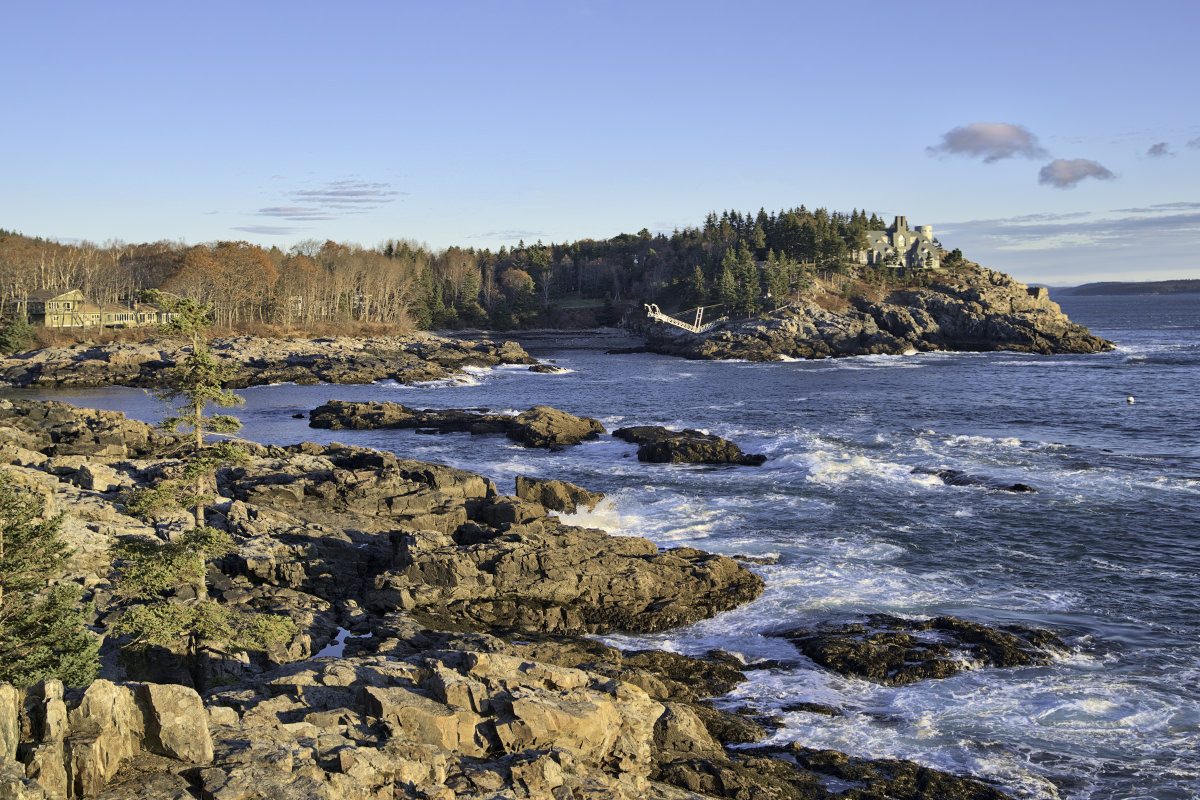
(902, 246)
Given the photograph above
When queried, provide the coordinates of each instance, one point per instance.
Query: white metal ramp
(699, 326)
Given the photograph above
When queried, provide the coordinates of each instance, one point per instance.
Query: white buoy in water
(1129, 399)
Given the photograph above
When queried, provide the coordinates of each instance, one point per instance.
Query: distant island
(1191, 286)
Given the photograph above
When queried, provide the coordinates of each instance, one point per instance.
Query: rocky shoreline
(968, 309)
(413, 358)
(442, 646)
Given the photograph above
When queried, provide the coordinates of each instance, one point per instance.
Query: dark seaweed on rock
(893, 650)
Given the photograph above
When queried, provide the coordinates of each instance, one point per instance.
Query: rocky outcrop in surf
(954, 477)
(540, 426)
(658, 445)
(967, 309)
(893, 650)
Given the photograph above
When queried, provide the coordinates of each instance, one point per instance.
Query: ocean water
(1106, 553)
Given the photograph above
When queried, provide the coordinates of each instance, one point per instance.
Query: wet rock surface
(954, 477)
(659, 445)
(968, 309)
(893, 650)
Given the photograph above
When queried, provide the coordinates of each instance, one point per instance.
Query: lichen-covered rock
(61, 430)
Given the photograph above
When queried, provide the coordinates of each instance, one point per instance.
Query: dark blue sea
(1106, 553)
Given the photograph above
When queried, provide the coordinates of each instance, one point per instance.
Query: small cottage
(70, 309)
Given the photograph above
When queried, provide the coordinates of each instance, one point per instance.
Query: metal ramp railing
(699, 326)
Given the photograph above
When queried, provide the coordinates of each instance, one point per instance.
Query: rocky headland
(967, 309)
(441, 643)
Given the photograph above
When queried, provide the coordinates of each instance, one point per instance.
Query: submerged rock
(892, 650)
(953, 477)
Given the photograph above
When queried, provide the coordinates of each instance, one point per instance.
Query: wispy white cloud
(324, 203)
(509, 235)
(1064, 173)
(349, 194)
(1133, 228)
(269, 230)
(1159, 208)
(991, 141)
(295, 213)
(1160, 150)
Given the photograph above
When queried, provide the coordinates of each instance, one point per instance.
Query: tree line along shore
(745, 262)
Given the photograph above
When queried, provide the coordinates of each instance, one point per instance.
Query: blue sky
(1056, 141)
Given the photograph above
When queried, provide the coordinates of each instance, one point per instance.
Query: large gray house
(906, 246)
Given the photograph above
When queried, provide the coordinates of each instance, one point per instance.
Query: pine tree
(42, 628)
(199, 380)
(16, 335)
(165, 587)
(166, 582)
(726, 289)
(697, 290)
(745, 275)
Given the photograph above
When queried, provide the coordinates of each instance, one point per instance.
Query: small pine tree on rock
(42, 626)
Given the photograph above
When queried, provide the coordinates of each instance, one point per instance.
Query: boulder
(175, 722)
(557, 495)
(10, 727)
(542, 426)
(658, 445)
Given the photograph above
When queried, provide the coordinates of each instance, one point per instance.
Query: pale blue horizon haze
(1058, 142)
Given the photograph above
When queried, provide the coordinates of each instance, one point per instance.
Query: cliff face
(972, 308)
